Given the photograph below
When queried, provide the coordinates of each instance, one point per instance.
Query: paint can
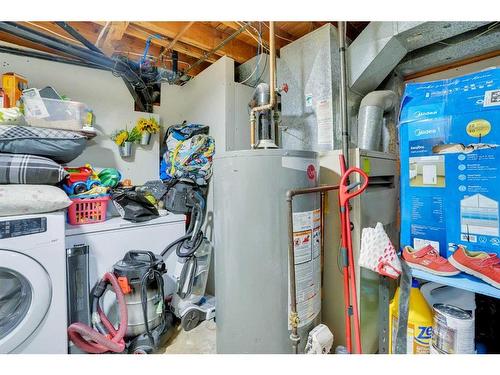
(452, 330)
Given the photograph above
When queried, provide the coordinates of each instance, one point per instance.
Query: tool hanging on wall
(346, 193)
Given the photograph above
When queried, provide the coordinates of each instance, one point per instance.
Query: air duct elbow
(370, 117)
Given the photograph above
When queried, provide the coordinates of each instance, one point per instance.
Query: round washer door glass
(25, 297)
(15, 300)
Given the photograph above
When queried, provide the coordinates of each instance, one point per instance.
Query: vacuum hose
(92, 341)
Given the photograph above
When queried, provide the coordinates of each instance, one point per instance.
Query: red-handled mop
(350, 296)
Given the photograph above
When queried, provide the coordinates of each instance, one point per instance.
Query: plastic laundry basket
(88, 210)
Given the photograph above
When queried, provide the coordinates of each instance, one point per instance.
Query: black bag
(133, 205)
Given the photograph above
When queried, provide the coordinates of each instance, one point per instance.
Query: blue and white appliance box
(450, 163)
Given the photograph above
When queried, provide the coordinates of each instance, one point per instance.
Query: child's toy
(80, 180)
(110, 177)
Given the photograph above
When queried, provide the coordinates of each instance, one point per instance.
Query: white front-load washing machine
(33, 311)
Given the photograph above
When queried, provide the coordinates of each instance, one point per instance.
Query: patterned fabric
(189, 153)
(61, 146)
(16, 132)
(29, 169)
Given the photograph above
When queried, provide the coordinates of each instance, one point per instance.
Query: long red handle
(349, 271)
(352, 285)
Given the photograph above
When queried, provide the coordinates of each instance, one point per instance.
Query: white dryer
(33, 284)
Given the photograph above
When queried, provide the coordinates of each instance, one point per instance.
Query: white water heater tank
(251, 249)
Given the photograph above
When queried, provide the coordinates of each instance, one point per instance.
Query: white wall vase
(125, 149)
(145, 139)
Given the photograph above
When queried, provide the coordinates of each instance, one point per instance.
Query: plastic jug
(419, 322)
(438, 293)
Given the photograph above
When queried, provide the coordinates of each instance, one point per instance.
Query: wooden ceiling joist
(178, 36)
(192, 40)
(113, 34)
(142, 34)
(204, 37)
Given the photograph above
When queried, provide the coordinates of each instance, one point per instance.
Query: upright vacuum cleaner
(145, 322)
(194, 251)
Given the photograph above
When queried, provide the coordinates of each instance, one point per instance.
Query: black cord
(261, 74)
(194, 246)
(172, 244)
(144, 302)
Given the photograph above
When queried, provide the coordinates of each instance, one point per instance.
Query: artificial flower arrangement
(145, 127)
(124, 139)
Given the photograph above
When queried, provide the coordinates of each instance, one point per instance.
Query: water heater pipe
(343, 92)
(370, 117)
(294, 316)
(272, 86)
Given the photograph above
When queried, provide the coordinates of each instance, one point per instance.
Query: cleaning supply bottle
(419, 334)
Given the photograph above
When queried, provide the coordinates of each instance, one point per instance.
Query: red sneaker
(428, 259)
(478, 263)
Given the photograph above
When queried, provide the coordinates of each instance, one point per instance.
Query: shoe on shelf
(428, 259)
(483, 265)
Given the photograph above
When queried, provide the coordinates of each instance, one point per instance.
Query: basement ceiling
(191, 40)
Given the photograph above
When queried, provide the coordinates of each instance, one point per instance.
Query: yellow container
(419, 334)
(13, 85)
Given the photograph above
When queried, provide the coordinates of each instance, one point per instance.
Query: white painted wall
(212, 98)
(111, 102)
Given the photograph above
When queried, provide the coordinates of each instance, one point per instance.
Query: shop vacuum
(145, 321)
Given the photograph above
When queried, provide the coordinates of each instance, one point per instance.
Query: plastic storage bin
(55, 113)
(87, 210)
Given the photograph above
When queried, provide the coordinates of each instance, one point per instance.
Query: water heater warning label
(306, 239)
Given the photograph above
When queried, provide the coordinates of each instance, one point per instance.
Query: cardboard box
(450, 163)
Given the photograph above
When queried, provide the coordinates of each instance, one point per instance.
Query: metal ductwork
(382, 45)
(260, 98)
(481, 41)
(371, 118)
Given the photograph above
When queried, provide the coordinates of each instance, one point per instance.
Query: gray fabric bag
(29, 169)
(59, 145)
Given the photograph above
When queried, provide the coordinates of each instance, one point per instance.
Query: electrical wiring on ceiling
(259, 42)
(101, 33)
(279, 36)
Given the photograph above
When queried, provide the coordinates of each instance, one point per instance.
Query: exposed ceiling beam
(282, 37)
(9, 38)
(127, 45)
(179, 35)
(143, 34)
(204, 37)
(114, 33)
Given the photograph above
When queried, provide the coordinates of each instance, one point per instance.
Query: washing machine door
(25, 296)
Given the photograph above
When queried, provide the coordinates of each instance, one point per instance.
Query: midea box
(450, 163)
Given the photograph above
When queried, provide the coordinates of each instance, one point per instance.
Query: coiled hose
(92, 341)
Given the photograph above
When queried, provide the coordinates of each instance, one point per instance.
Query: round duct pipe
(370, 118)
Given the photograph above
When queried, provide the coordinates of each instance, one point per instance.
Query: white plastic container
(54, 113)
(438, 293)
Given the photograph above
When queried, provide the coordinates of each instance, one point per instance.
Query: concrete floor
(200, 340)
